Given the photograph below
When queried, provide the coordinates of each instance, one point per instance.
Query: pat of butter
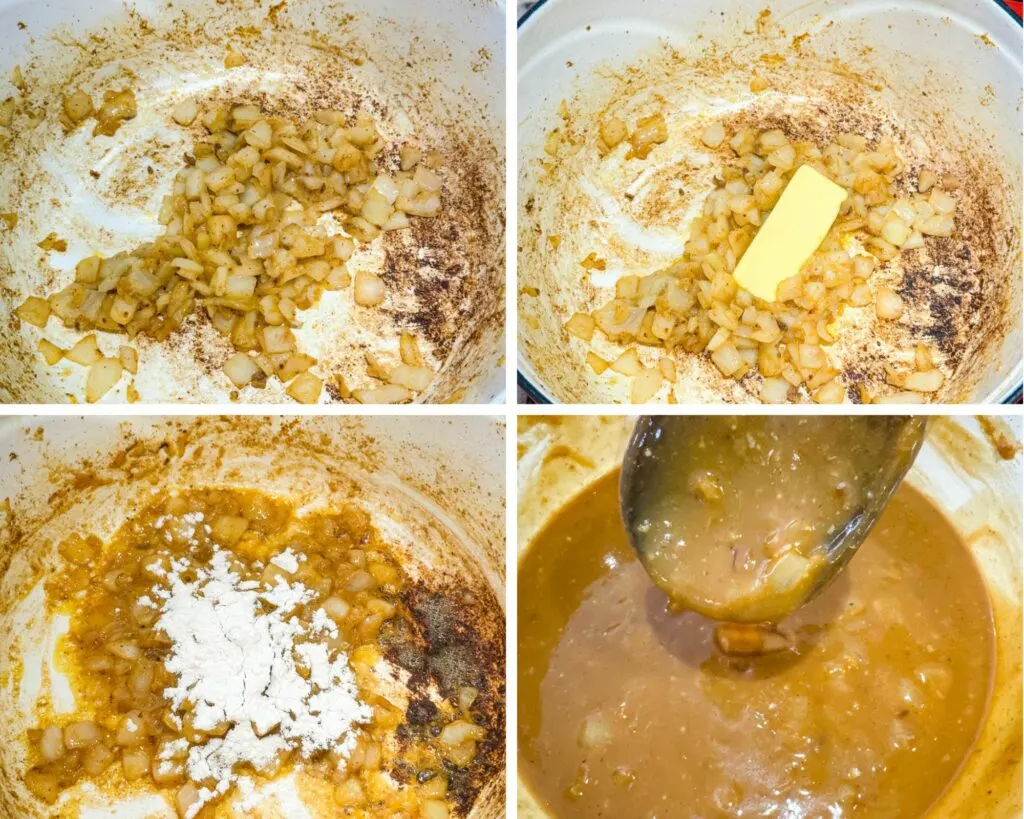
(793, 230)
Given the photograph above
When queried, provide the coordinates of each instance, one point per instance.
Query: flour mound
(237, 650)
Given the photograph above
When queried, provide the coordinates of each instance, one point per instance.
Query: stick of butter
(793, 230)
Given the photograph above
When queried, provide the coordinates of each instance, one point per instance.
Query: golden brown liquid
(628, 710)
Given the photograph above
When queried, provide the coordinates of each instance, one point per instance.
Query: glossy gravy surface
(629, 710)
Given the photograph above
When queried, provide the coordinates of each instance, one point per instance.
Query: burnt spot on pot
(457, 641)
(421, 711)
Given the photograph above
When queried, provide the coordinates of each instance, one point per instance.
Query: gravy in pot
(627, 709)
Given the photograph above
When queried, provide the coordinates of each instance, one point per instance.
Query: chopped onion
(34, 311)
(775, 391)
(727, 359)
(416, 379)
(612, 132)
(581, 325)
(242, 233)
(241, 369)
(369, 289)
(81, 734)
(409, 349)
(135, 763)
(714, 135)
(103, 375)
(929, 381)
(650, 131)
(646, 385)
(888, 304)
(51, 744)
(305, 388)
(628, 363)
(597, 364)
(830, 393)
(185, 112)
(389, 394)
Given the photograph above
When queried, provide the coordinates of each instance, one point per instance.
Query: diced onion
(51, 744)
(597, 364)
(35, 311)
(727, 359)
(389, 394)
(416, 379)
(81, 734)
(775, 391)
(646, 385)
(612, 131)
(581, 325)
(185, 112)
(369, 289)
(650, 131)
(241, 369)
(929, 381)
(305, 388)
(243, 236)
(714, 135)
(888, 304)
(103, 375)
(77, 106)
(628, 363)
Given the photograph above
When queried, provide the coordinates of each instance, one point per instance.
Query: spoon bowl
(746, 518)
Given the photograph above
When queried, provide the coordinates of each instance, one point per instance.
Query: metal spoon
(886, 446)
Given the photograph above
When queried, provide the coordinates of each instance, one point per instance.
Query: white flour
(236, 654)
(183, 528)
(282, 791)
(287, 560)
(323, 624)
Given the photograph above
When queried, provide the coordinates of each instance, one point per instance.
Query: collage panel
(777, 202)
(252, 202)
(792, 615)
(251, 567)
(252, 616)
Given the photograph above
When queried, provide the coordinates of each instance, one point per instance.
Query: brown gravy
(629, 710)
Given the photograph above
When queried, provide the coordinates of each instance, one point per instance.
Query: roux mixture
(405, 754)
(628, 709)
(735, 514)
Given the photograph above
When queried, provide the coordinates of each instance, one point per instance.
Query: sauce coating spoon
(746, 518)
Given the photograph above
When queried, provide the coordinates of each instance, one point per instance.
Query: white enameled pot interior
(953, 75)
(958, 469)
(433, 73)
(434, 488)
